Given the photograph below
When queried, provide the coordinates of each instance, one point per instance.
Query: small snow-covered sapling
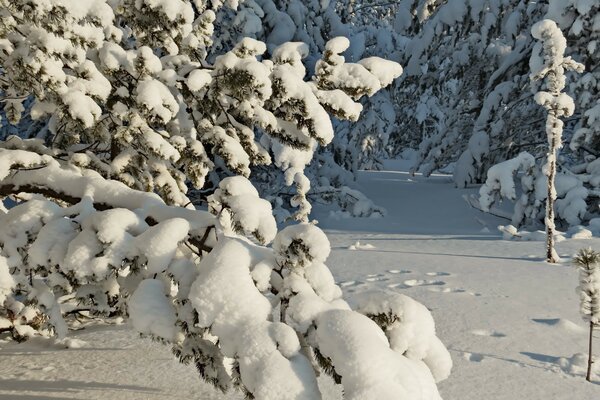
(549, 65)
(588, 262)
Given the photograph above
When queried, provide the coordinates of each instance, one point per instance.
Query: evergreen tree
(588, 262)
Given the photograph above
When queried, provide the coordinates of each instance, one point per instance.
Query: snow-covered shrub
(500, 180)
(529, 195)
(99, 221)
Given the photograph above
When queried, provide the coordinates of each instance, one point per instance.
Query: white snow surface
(509, 320)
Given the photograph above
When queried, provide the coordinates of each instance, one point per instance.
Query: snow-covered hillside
(509, 319)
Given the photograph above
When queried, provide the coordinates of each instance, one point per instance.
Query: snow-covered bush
(98, 220)
(529, 195)
(500, 180)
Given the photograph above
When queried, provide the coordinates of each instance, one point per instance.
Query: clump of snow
(409, 328)
(500, 179)
(337, 45)
(152, 312)
(7, 282)
(300, 245)
(159, 243)
(72, 343)
(156, 98)
(346, 337)
(198, 79)
(268, 353)
(240, 209)
(386, 71)
(579, 232)
(361, 246)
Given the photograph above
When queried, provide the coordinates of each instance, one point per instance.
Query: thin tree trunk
(590, 362)
(552, 154)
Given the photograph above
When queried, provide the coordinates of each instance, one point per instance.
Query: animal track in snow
(399, 271)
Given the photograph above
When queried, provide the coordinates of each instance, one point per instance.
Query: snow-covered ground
(509, 319)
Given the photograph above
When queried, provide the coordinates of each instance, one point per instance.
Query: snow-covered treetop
(548, 60)
(588, 262)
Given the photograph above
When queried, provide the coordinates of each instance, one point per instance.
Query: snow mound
(361, 246)
(510, 232)
(577, 365)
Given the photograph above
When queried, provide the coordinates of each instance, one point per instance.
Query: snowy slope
(509, 319)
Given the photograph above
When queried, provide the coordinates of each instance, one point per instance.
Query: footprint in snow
(350, 283)
(399, 271)
(438, 274)
(453, 290)
(475, 357)
(376, 278)
(485, 332)
(397, 285)
(423, 282)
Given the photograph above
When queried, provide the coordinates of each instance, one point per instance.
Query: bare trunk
(114, 149)
(590, 362)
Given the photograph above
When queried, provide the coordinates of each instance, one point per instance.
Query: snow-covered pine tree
(588, 262)
(548, 63)
(363, 145)
(100, 223)
(314, 22)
